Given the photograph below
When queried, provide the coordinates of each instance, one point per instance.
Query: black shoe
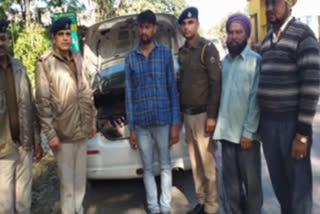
(199, 209)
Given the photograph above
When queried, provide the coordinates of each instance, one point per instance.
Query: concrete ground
(127, 196)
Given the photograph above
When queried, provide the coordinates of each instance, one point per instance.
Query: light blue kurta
(239, 112)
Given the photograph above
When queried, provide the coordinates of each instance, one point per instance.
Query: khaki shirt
(200, 84)
(6, 143)
(29, 130)
(6, 74)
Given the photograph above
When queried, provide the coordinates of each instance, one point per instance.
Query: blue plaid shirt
(151, 93)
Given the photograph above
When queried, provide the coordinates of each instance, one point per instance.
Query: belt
(194, 110)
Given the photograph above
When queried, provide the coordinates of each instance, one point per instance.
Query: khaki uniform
(66, 110)
(200, 86)
(16, 155)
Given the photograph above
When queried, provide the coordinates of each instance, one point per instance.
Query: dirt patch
(45, 188)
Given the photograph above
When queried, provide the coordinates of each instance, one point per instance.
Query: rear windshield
(119, 40)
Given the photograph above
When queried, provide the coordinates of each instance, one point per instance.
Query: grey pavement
(127, 196)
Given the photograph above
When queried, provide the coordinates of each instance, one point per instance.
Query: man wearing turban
(238, 120)
(288, 96)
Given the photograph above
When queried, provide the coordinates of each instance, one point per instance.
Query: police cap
(190, 12)
(63, 23)
(3, 25)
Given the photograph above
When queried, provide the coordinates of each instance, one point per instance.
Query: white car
(222, 51)
(106, 45)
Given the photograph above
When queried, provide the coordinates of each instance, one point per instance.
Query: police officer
(66, 112)
(19, 132)
(199, 97)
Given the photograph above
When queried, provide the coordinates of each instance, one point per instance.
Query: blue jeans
(147, 139)
(242, 168)
(291, 179)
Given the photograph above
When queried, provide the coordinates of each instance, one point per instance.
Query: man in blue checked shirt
(152, 109)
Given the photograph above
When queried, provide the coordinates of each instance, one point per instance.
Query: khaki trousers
(202, 156)
(16, 182)
(72, 172)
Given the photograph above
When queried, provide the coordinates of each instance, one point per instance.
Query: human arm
(252, 118)
(43, 105)
(212, 63)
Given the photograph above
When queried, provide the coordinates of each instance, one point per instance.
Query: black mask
(236, 48)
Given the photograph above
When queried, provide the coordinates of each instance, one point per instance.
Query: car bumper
(116, 160)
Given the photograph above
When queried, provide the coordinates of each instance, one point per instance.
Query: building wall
(319, 28)
(308, 11)
(258, 20)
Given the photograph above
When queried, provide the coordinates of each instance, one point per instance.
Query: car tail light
(93, 152)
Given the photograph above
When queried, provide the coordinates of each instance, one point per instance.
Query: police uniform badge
(189, 14)
(212, 59)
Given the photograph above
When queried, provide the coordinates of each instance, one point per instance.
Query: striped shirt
(151, 93)
(289, 79)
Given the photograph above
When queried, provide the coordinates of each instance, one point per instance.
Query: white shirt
(276, 36)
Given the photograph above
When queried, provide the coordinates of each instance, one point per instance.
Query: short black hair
(147, 16)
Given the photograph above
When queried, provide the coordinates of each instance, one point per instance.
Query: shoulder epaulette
(45, 56)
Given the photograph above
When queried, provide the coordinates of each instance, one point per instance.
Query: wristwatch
(303, 139)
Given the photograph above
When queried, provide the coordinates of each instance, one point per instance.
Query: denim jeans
(242, 168)
(148, 139)
(291, 179)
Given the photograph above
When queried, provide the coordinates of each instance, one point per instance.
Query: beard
(277, 21)
(146, 40)
(236, 48)
(280, 20)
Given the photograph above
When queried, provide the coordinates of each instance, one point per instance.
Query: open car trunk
(106, 46)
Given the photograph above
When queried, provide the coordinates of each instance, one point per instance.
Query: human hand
(38, 152)
(299, 149)
(55, 144)
(210, 125)
(246, 143)
(174, 134)
(133, 140)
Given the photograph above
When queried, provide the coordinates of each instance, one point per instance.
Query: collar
(58, 55)
(275, 37)
(196, 42)
(9, 63)
(242, 55)
(137, 49)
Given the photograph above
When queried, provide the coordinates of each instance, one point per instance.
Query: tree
(27, 13)
(163, 6)
(103, 9)
(31, 44)
(67, 5)
(218, 30)
(4, 7)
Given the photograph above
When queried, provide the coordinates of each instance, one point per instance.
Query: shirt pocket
(3, 101)
(135, 76)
